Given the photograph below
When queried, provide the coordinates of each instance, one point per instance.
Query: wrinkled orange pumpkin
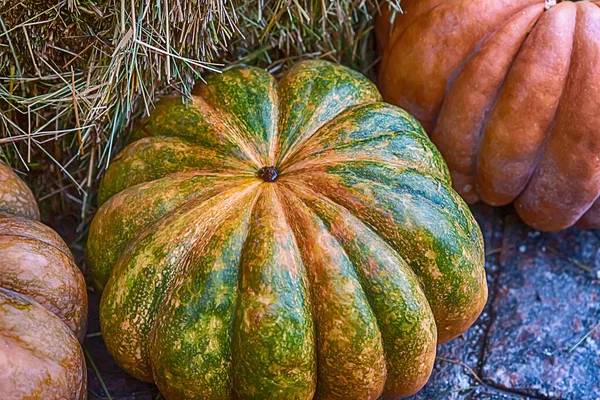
(43, 303)
(509, 91)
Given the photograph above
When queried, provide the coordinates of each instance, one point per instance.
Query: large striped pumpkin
(43, 303)
(283, 240)
(509, 91)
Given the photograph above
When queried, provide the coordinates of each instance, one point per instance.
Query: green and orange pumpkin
(509, 92)
(43, 303)
(297, 239)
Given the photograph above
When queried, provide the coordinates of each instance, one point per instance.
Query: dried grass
(74, 73)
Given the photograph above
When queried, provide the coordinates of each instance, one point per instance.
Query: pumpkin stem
(268, 174)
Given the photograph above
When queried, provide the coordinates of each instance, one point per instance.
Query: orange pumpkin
(43, 303)
(509, 91)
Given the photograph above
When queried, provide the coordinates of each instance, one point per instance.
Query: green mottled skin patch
(334, 280)
(142, 277)
(122, 219)
(427, 220)
(190, 347)
(351, 356)
(153, 158)
(312, 93)
(247, 99)
(403, 314)
(375, 131)
(273, 336)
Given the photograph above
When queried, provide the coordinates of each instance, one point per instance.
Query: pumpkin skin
(510, 95)
(43, 303)
(297, 239)
(15, 196)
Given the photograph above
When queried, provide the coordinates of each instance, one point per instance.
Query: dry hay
(74, 73)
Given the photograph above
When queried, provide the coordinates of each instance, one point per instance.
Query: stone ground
(536, 339)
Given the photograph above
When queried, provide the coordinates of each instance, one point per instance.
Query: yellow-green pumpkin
(287, 240)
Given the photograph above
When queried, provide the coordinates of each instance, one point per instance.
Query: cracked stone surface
(547, 301)
(536, 339)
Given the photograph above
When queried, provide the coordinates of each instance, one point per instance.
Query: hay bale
(74, 73)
